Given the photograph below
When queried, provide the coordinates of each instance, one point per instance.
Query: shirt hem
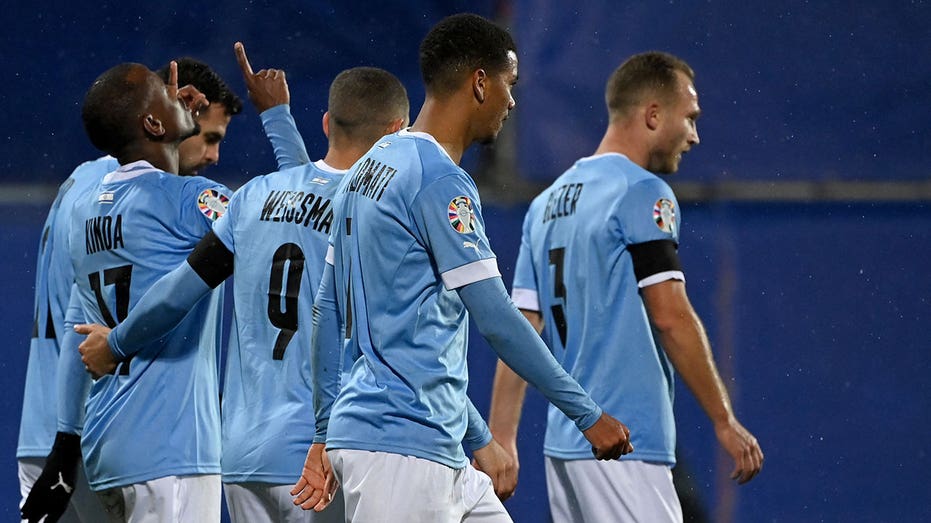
(150, 475)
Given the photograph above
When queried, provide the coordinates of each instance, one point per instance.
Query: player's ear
(479, 78)
(153, 126)
(326, 124)
(651, 116)
(395, 126)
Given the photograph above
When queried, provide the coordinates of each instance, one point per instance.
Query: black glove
(52, 491)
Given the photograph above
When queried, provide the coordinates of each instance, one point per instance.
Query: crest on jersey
(664, 214)
(461, 216)
(212, 203)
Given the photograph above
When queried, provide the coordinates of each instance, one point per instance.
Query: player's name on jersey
(371, 179)
(562, 201)
(103, 233)
(303, 208)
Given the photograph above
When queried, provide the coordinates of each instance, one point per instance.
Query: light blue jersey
(276, 227)
(575, 268)
(54, 275)
(408, 232)
(158, 415)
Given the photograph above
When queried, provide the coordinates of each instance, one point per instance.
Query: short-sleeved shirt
(408, 232)
(54, 276)
(277, 228)
(158, 415)
(575, 267)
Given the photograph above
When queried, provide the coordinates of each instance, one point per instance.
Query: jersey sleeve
(286, 140)
(649, 223)
(524, 290)
(203, 202)
(73, 380)
(223, 226)
(447, 215)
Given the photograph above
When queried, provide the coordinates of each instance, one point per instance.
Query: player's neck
(161, 157)
(343, 157)
(443, 120)
(623, 141)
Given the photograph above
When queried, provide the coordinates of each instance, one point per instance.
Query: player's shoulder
(432, 160)
(310, 177)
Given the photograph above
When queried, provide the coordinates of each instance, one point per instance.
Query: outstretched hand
(743, 447)
(95, 351)
(317, 484)
(267, 88)
(609, 437)
(501, 467)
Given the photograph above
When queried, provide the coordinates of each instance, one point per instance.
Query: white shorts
(84, 506)
(164, 500)
(381, 487)
(593, 491)
(256, 502)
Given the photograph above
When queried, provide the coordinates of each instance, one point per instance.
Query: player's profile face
(498, 99)
(680, 128)
(175, 116)
(203, 150)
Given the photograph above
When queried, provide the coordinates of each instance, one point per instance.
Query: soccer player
(273, 240)
(598, 266)
(54, 277)
(409, 261)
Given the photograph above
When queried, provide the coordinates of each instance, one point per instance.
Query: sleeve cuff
(470, 273)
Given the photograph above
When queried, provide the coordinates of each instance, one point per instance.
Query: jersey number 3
(559, 292)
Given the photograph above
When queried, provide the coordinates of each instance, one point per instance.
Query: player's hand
(267, 88)
(95, 351)
(194, 100)
(51, 492)
(743, 447)
(609, 437)
(317, 484)
(501, 467)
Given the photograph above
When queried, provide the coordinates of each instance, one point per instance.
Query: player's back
(406, 218)
(54, 276)
(277, 227)
(158, 414)
(580, 230)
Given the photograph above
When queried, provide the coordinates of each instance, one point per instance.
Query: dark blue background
(817, 311)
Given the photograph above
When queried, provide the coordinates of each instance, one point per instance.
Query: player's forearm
(326, 352)
(689, 350)
(286, 140)
(507, 401)
(73, 382)
(521, 348)
(159, 310)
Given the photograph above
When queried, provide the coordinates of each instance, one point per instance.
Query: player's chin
(491, 137)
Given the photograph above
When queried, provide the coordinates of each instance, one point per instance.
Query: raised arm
(684, 339)
(268, 91)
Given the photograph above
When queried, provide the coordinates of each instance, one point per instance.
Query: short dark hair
(460, 44)
(206, 80)
(650, 72)
(364, 100)
(111, 105)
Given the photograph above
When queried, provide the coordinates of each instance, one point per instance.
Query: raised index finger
(173, 74)
(242, 59)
